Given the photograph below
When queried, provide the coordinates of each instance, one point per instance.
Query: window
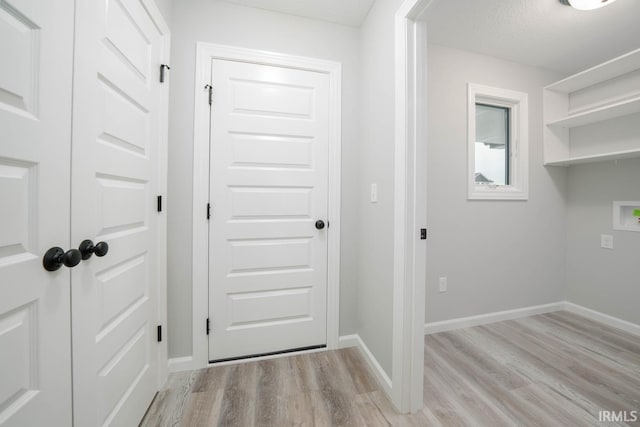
(492, 145)
(498, 146)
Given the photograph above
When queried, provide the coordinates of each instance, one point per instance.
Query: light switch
(606, 241)
(374, 193)
(442, 284)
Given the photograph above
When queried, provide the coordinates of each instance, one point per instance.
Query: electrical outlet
(374, 193)
(606, 241)
(443, 284)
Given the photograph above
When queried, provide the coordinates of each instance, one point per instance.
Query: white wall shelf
(600, 73)
(600, 114)
(613, 86)
(616, 155)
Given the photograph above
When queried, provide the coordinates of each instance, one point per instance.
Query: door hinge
(159, 333)
(163, 67)
(210, 89)
(208, 210)
(159, 203)
(423, 234)
(208, 326)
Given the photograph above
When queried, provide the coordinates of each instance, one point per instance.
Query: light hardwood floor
(557, 369)
(322, 389)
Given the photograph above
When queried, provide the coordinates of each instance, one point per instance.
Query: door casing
(205, 52)
(410, 204)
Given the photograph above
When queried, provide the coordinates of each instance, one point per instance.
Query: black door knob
(87, 249)
(55, 258)
(319, 224)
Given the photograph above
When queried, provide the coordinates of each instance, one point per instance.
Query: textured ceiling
(346, 12)
(542, 33)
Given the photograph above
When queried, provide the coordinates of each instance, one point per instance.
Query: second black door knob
(87, 249)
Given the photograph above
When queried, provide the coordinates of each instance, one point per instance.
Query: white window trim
(518, 102)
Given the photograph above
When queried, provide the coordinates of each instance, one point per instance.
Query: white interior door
(36, 41)
(269, 159)
(117, 98)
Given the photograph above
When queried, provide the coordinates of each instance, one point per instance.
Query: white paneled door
(116, 168)
(36, 41)
(268, 193)
(79, 160)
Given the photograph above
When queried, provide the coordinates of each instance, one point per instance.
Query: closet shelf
(600, 114)
(600, 73)
(616, 155)
(610, 91)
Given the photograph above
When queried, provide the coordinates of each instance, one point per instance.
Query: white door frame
(205, 52)
(410, 205)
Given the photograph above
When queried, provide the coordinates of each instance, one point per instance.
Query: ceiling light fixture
(586, 4)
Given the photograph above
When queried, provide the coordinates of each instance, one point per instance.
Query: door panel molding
(205, 53)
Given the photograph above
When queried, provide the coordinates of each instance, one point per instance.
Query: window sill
(497, 193)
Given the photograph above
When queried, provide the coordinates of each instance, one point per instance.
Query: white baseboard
(346, 341)
(382, 377)
(597, 316)
(179, 364)
(498, 316)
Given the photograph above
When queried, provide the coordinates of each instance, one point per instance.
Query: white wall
(224, 23)
(602, 279)
(375, 238)
(497, 255)
(165, 7)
